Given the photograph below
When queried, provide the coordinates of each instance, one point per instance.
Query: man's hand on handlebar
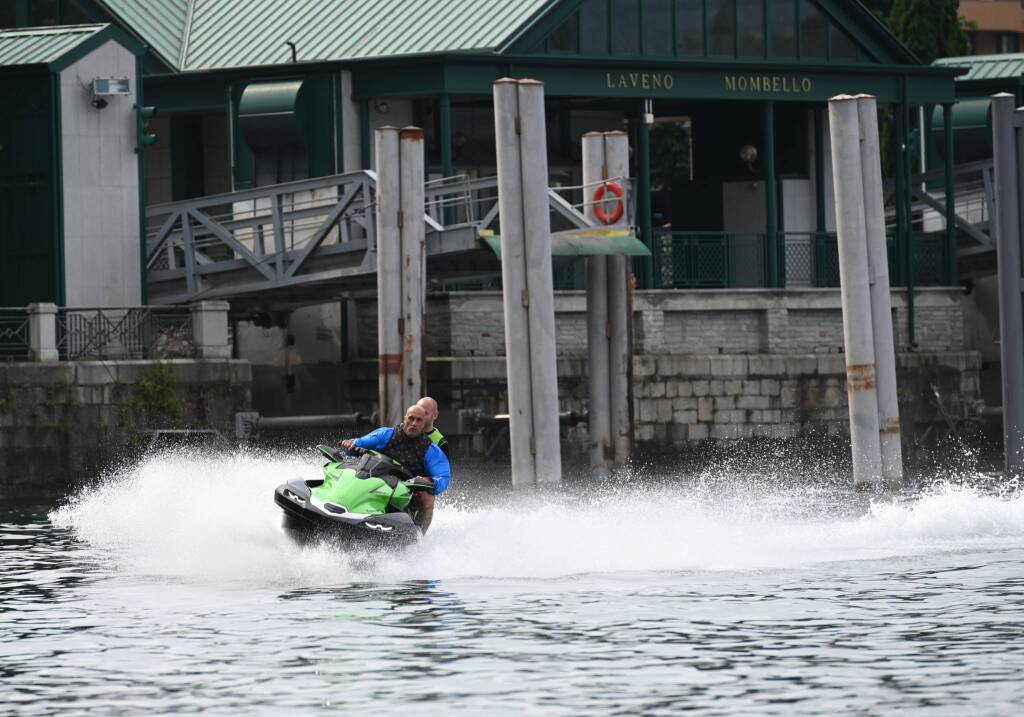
(348, 444)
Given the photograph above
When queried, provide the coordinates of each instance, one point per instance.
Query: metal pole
(1006, 156)
(947, 130)
(413, 235)
(856, 300)
(444, 107)
(513, 278)
(389, 277)
(539, 281)
(776, 252)
(598, 383)
(881, 295)
(643, 141)
(616, 157)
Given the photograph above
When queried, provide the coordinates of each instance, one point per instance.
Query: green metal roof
(42, 45)
(987, 67)
(162, 24)
(217, 34)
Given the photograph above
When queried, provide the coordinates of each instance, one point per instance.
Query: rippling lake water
(169, 588)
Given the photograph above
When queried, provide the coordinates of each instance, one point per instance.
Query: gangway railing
(310, 240)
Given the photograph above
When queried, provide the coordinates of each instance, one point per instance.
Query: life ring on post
(599, 211)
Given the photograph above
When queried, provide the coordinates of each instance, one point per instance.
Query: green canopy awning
(587, 242)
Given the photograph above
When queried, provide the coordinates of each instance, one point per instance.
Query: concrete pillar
(210, 329)
(598, 327)
(528, 291)
(881, 296)
(854, 289)
(620, 350)
(1007, 154)
(414, 257)
(42, 332)
(389, 276)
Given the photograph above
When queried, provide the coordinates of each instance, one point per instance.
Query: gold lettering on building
(639, 80)
(783, 84)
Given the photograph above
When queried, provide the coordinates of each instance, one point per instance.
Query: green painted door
(29, 264)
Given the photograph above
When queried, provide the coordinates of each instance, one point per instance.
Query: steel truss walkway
(311, 241)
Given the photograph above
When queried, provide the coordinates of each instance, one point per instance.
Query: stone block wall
(61, 422)
(733, 321)
(729, 364)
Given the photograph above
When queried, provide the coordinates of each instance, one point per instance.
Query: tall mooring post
(401, 256)
(1008, 154)
(890, 438)
(605, 164)
(527, 282)
(858, 339)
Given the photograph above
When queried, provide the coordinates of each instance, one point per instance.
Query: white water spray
(212, 518)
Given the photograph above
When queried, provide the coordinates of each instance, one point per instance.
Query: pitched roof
(986, 67)
(162, 24)
(217, 34)
(42, 45)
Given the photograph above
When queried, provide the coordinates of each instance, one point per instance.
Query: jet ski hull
(307, 520)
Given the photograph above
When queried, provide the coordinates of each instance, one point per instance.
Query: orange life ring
(599, 212)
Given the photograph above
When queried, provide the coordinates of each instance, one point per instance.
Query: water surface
(169, 588)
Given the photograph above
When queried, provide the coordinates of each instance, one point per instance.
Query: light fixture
(748, 153)
(103, 87)
(382, 107)
(648, 111)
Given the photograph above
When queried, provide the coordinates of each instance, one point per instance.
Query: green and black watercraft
(366, 501)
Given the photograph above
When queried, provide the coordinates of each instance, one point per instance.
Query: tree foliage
(929, 28)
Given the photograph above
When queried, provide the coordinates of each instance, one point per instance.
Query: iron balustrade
(14, 339)
(130, 332)
(719, 260)
(709, 260)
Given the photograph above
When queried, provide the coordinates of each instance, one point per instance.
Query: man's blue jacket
(434, 461)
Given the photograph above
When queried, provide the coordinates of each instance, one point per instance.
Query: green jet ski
(362, 502)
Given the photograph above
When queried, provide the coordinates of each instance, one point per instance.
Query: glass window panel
(658, 27)
(594, 27)
(71, 14)
(843, 47)
(812, 31)
(566, 38)
(625, 27)
(750, 25)
(8, 14)
(689, 27)
(782, 19)
(721, 27)
(44, 12)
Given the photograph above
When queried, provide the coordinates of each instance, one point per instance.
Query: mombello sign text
(768, 83)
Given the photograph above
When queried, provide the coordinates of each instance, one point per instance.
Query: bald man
(408, 444)
(430, 406)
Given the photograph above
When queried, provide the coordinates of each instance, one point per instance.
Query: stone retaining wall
(59, 422)
(733, 321)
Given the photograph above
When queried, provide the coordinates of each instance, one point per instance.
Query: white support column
(389, 277)
(210, 329)
(540, 281)
(411, 228)
(598, 391)
(42, 332)
(616, 154)
(528, 291)
(856, 300)
(881, 297)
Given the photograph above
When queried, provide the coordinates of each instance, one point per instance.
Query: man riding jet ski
(377, 499)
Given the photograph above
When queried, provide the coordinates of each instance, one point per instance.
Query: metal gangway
(305, 242)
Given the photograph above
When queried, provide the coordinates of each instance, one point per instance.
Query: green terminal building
(732, 177)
